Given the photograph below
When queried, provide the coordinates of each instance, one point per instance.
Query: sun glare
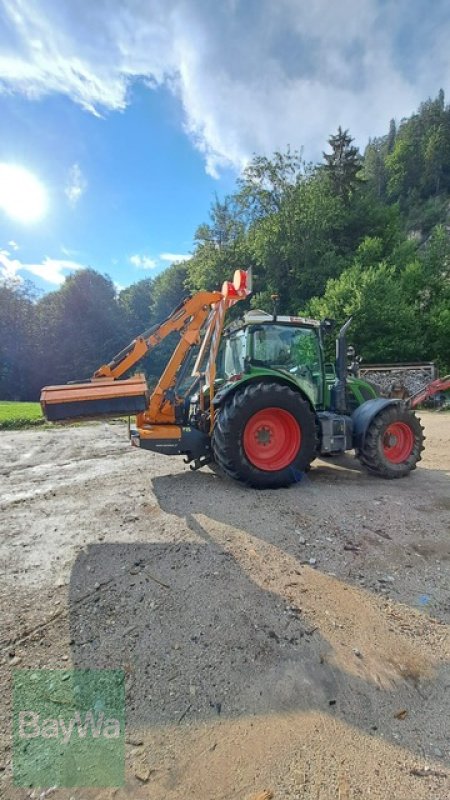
(22, 196)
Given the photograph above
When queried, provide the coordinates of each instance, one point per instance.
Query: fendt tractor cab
(260, 400)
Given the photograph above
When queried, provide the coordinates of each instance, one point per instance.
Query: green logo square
(68, 727)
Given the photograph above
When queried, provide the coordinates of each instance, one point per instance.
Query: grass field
(19, 415)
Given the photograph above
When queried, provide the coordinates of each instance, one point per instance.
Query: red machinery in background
(432, 389)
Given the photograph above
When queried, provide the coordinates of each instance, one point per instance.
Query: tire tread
(370, 454)
(233, 415)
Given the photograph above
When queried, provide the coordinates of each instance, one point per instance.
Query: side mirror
(327, 325)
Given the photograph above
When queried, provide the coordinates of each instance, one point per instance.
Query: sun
(22, 195)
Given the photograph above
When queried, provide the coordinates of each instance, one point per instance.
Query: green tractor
(260, 401)
(278, 406)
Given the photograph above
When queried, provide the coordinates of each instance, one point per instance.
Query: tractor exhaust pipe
(338, 392)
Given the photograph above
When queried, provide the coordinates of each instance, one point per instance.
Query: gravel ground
(295, 640)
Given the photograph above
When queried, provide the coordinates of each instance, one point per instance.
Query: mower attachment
(102, 397)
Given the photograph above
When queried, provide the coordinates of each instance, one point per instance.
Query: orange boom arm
(104, 395)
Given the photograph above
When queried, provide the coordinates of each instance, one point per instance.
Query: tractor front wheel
(265, 435)
(393, 443)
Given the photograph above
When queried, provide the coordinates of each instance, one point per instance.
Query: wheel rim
(272, 439)
(398, 442)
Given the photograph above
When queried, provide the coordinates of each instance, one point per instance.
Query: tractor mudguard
(364, 414)
(232, 386)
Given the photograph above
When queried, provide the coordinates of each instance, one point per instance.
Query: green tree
(266, 183)
(220, 247)
(343, 164)
(432, 286)
(374, 168)
(384, 326)
(418, 166)
(80, 327)
(169, 289)
(436, 157)
(392, 135)
(17, 340)
(136, 301)
(295, 249)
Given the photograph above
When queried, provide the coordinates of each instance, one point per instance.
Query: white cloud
(143, 261)
(76, 185)
(13, 245)
(50, 270)
(175, 257)
(8, 267)
(68, 251)
(251, 75)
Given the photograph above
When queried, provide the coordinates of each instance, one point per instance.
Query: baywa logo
(68, 728)
(31, 726)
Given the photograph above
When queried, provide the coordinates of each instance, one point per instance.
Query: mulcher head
(101, 397)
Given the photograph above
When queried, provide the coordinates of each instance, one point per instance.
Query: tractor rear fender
(363, 416)
(230, 388)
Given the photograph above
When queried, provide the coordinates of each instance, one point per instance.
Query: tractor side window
(305, 349)
(231, 361)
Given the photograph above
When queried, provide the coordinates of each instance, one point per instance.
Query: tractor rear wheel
(265, 435)
(393, 443)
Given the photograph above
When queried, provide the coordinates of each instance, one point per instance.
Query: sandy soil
(295, 640)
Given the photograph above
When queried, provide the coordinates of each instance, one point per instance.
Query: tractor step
(102, 397)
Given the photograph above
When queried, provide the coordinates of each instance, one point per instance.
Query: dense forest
(362, 234)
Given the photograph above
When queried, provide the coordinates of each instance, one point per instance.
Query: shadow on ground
(200, 637)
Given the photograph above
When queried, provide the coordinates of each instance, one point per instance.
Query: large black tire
(393, 443)
(243, 428)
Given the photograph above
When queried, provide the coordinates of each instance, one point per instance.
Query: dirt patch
(295, 641)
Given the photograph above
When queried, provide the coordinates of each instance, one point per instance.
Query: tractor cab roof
(258, 317)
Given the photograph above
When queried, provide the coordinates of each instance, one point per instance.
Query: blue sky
(126, 190)
(133, 114)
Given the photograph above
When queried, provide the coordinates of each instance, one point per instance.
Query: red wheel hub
(272, 439)
(398, 442)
